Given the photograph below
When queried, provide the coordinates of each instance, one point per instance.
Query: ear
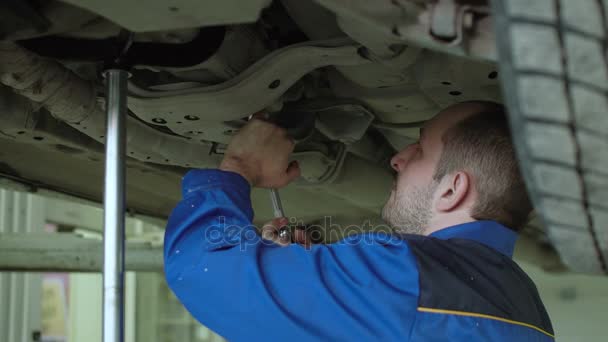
(453, 191)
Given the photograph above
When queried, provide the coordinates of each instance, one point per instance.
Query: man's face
(408, 209)
(410, 205)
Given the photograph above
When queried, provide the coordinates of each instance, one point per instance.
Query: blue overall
(458, 284)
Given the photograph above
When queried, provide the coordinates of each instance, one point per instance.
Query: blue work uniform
(458, 284)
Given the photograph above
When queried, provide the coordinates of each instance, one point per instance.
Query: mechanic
(446, 273)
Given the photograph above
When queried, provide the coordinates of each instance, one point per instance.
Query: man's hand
(260, 153)
(270, 231)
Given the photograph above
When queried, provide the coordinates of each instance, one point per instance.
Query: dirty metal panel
(161, 15)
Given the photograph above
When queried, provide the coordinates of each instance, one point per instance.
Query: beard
(409, 212)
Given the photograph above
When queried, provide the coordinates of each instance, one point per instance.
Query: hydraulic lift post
(114, 206)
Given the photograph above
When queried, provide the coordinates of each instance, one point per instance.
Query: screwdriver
(277, 209)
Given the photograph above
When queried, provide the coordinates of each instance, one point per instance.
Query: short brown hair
(481, 145)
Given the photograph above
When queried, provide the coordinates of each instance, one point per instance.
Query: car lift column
(114, 206)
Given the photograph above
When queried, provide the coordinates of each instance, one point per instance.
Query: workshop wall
(576, 303)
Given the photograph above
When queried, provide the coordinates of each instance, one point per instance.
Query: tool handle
(277, 207)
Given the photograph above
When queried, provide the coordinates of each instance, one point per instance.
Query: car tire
(554, 74)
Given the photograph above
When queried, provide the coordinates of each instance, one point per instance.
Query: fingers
(270, 231)
(275, 224)
(293, 171)
(259, 125)
(261, 120)
(263, 150)
(301, 237)
(259, 115)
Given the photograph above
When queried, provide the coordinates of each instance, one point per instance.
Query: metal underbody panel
(375, 87)
(206, 109)
(162, 15)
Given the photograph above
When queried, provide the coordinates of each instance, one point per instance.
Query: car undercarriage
(351, 81)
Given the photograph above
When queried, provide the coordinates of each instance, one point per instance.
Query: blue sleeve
(362, 288)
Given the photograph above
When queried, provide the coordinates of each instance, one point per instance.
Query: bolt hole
(148, 158)
(455, 93)
(21, 132)
(178, 122)
(398, 106)
(159, 121)
(131, 152)
(395, 31)
(101, 136)
(188, 165)
(38, 138)
(363, 52)
(446, 83)
(166, 160)
(84, 127)
(275, 84)
(493, 75)
(191, 117)
(173, 9)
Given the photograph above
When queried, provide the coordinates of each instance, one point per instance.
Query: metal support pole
(114, 207)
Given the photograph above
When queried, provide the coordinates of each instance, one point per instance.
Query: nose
(400, 160)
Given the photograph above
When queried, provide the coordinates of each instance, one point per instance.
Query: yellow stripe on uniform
(472, 314)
